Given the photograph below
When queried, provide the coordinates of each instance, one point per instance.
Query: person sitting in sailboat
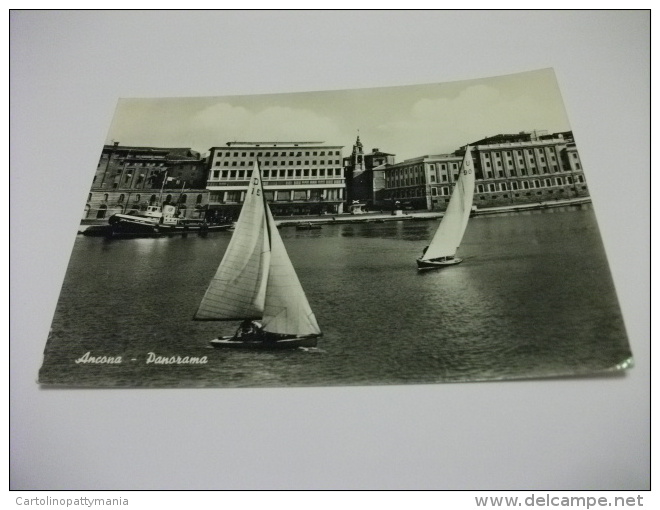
(249, 328)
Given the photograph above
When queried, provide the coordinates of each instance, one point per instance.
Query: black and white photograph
(338, 250)
(418, 234)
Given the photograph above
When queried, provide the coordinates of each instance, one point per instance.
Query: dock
(369, 217)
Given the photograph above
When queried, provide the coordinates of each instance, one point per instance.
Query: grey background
(67, 71)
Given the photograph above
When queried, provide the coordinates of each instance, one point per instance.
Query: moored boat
(147, 221)
(308, 226)
(156, 221)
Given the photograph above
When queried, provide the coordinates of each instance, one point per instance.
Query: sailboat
(257, 284)
(441, 252)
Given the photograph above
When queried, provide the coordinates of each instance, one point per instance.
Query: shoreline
(380, 217)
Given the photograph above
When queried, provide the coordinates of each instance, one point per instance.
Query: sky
(408, 121)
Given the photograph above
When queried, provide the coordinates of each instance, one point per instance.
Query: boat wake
(311, 349)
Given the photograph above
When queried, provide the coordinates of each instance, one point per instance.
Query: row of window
(271, 183)
(313, 195)
(281, 173)
(509, 161)
(523, 171)
(444, 192)
(136, 198)
(281, 163)
(539, 150)
(405, 180)
(529, 193)
(503, 186)
(521, 162)
(277, 153)
(407, 176)
(409, 170)
(493, 187)
(136, 163)
(409, 181)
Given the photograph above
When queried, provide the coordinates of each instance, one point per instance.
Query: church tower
(354, 168)
(357, 158)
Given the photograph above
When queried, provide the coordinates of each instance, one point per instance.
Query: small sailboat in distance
(257, 284)
(441, 252)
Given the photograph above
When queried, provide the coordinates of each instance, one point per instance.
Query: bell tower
(357, 158)
(354, 170)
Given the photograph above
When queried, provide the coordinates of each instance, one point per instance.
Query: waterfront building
(131, 178)
(300, 178)
(510, 169)
(406, 182)
(364, 177)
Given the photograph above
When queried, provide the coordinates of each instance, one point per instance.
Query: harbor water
(533, 298)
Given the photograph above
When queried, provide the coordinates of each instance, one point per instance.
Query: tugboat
(156, 222)
(148, 222)
(158, 219)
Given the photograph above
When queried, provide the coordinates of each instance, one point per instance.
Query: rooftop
(271, 144)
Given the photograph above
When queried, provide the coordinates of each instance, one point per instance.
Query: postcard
(399, 235)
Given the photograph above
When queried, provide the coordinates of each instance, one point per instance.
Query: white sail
(448, 237)
(287, 310)
(237, 291)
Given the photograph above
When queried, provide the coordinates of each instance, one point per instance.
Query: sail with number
(255, 279)
(237, 291)
(450, 232)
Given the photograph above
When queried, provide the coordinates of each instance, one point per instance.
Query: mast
(266, 208)
(162, 186)
(178, 202)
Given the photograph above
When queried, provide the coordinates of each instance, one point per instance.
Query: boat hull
(423, 265)
(192, 228)
(275, 343)
(98, 231)
(125, 223)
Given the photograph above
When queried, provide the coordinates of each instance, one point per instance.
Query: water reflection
(533, 297)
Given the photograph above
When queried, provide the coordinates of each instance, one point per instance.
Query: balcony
(227, 183)
(310, 201)
(267, 182)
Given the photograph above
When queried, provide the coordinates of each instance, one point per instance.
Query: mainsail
(448, 237)
(237, 291)
(256, 279)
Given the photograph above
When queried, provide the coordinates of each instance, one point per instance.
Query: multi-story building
(406, 183)
(364, 176)
(131, 178)
(300, 178)
(510, 169)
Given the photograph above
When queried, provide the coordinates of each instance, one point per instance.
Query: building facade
(299, 178)
(364, 177)
(510, 169)
(131, 178)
